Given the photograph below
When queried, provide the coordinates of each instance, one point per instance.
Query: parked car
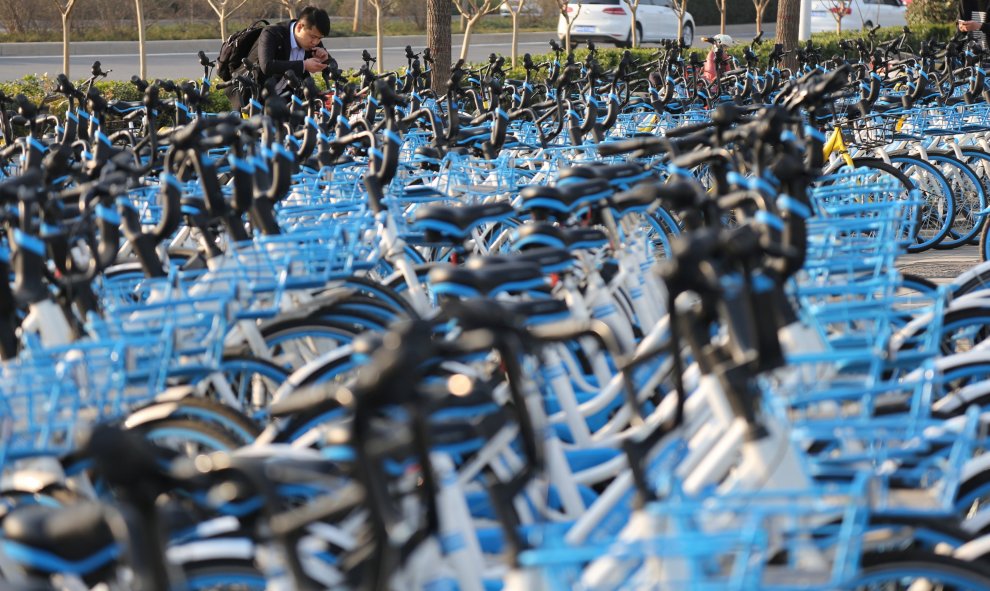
(609, 21)
(859, 14)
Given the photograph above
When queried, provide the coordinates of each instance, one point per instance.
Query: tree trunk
(357, 16)
(65, 45)
(515, 36)
(722, 8)
(139, 7)
(464, 22)
(567, 36)
(438, 40)
(633, 36)
(223, 25)
(291, 7)
(680, 26)
(760, 9)
(788, 15)
(379, 37)
(467, 34)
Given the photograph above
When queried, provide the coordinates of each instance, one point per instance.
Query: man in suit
(292, 45)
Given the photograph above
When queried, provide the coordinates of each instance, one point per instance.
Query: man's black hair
(316, 17)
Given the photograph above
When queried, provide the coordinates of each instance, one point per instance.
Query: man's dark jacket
(272, 50)
(966, 8)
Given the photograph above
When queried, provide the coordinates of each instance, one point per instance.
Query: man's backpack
(236, 49)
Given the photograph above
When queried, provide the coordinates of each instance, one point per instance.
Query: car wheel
(628, 42)
(687, 34)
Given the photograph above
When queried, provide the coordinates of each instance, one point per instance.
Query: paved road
(941, 266)
(177, 59)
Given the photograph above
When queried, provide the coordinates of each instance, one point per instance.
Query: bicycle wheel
(190, 438)
(235, 424)
(970, 198)
(885, 172)
(935, 215)
(224, 574)
(964, 329)
(985, 244)
(905, 570)
(976, 279)
(297, 341)
(252, 382)
(979, 162)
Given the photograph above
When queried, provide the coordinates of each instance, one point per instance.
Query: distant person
(973, 20)
(294, 45)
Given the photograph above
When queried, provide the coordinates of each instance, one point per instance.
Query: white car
(859, 14)
(609, 21)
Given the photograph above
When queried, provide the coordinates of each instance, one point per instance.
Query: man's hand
(313, 65)
(969, 26)
(321, 54)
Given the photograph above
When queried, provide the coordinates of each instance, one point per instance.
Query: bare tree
(473, 10)
(680, 9)
(142, 48)
(438, 40)
(290, 6)
(515, 7)
(788, 13)
(633, 33)
(761, 8)
(839, 9)
(565, 11)
(65, 10)
(224, 9)
(357, 16)
(720, 4)
(380, 6)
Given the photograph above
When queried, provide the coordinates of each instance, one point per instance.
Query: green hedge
(34, 87)
(828, 42)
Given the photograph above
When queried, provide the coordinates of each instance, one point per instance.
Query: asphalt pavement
(940, 266)
(177, 59)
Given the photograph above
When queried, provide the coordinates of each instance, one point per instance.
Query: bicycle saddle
(505, 278)
(550, 260)
(540, 311)
(78, 534)
(450, 221)
(547, 235)
(567, 197)
(625, 173)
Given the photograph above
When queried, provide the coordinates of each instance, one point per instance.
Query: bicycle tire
(969, 194)
(281, 334)
(906, 566)
(223, 574)
(979, 163)
(980, 278)
(181, 435)
(233, 422)
(936, 214)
